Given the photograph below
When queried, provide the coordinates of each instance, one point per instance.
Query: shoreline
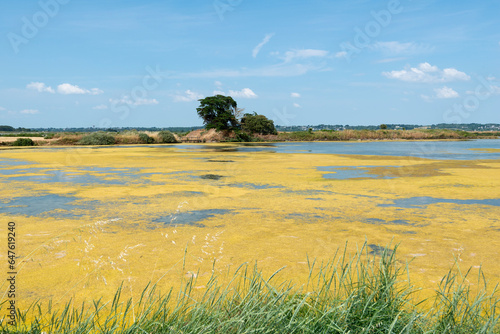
(65, 139)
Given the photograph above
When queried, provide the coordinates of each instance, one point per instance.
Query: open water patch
(350, 172)
(190, 218)
(105, 175)
(254, 186)
(307, 217)
(40, 205)
(14, 162)
(378, 221)
(424, 201)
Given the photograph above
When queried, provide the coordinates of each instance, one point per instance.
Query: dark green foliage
(23, 142)
(97, 138)
(166, 137)
(145, 139)
(218, 112)
(243, 137)
(23, 134)
(6, 128)
(253, 123)
(383, 127)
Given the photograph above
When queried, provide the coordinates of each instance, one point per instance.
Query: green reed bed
(365, 293)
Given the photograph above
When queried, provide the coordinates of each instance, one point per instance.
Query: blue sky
(120, 63)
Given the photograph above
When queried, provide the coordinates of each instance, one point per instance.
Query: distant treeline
(339, 127)
(6, 128)
(291, 128)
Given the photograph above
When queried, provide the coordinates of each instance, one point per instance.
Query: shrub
(145, 139)
(68, 140)
(253, 123)
(98, 138)
(23, 142)
(166, 137)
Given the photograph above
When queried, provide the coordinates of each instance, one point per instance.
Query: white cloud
(67, 89)
(266, 39)
(188, 96)
(341, 54)
(446, 93)
(303, 54)
(296, 105)
(278, 70)
(218, 92)
(137, 102)
(245, 93)
(398, 48)
(145, 102)
(2, 109)
(29, 111)
(100, 107)
(426, 73)
(295, 95)
(394, 47)
(40, 87)
(218, 84)
(389, 60)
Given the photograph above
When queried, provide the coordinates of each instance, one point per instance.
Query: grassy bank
(134, 137)
(417, 134)
(365, 293)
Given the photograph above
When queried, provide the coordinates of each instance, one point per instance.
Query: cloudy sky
(116, 63)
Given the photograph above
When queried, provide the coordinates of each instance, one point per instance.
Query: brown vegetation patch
(424, 170)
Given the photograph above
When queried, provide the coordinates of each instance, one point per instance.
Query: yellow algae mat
(88, 220)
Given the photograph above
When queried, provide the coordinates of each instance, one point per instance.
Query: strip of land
(129, 137)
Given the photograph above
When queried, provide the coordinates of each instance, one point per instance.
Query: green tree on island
(253, 123)
(219, 112)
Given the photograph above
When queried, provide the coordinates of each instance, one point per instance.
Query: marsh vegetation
(361, 293)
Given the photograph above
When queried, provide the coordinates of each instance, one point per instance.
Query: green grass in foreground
(359, 294)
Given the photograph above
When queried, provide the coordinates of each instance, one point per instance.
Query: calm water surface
(447, 150)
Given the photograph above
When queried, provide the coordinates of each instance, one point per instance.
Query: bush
(145, 139)
(97, 138)
(243, 137)
(166, 137)
(253, 123)
(68, 140)
(23, 142)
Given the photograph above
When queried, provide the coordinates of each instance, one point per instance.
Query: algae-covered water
(91, 219)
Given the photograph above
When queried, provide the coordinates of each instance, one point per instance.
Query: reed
(363, 293)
